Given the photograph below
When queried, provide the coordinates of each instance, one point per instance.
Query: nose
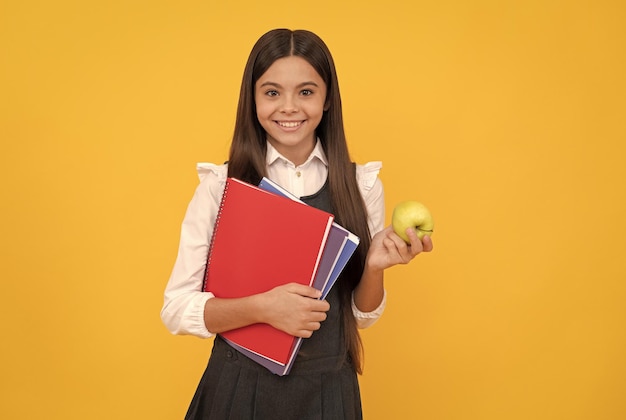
(289, 105)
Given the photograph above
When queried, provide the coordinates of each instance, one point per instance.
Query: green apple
(411, 214)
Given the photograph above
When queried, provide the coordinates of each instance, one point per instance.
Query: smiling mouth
(289, 124)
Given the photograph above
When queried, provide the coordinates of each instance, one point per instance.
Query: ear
(327, 106)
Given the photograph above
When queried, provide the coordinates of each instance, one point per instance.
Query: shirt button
(229, 354)
(298, 174)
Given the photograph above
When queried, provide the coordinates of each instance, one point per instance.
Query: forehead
(292, 70)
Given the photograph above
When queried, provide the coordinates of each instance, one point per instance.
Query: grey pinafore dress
(321, 385)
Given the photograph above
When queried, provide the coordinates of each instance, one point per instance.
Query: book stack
(263, 238)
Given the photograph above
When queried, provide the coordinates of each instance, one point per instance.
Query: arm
(188, 310)
(292, 308)
(184, 301)
(386, 250)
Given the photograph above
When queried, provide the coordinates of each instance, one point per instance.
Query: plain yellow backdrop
(507, 118)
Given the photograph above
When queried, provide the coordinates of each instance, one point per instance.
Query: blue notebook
(352, 241)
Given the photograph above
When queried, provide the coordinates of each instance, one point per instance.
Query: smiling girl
(289, 128)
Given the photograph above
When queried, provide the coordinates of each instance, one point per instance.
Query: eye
(272, 93)
(306, 92)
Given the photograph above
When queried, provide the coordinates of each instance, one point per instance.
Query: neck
(297, 154)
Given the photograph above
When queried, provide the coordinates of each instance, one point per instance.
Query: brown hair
(248, 150)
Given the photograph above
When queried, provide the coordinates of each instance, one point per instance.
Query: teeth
(289, 124)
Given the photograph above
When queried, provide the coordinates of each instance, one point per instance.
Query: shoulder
(367, 176)
(212, 176)
(206, 169)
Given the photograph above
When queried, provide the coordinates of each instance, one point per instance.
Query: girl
(289, 127)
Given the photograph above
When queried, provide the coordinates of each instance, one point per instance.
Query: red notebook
(260, 241)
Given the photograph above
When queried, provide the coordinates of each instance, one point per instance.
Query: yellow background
(507, 118)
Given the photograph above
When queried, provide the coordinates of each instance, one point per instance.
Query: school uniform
(322, 383)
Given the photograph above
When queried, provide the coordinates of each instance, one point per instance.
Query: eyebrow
(303, 84)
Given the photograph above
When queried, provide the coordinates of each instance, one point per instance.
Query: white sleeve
(367, 319)
(183, 306)
(371, 188)
(373, 194)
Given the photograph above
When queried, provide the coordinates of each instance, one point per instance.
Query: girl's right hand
(295, 309)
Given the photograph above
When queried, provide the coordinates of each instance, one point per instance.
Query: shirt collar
(273, 155)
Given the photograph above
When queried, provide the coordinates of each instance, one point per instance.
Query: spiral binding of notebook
(217, 221)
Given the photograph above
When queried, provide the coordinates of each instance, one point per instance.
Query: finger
(428, 243)
(317, 316)
(306, 330)
(387, 230)
(397, 250)
(302, 290)
(320, 306)
(407, 250)
(416, 244)
(314, 326)
(303, 333)
(390, 245)
(324, 305)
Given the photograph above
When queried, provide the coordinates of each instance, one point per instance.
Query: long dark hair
(247, 153)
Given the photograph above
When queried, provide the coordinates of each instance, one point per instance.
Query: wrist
(372, 269)
(258, 307)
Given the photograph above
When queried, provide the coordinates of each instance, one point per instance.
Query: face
(290, 98)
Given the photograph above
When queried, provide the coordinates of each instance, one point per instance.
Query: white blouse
(183, 308)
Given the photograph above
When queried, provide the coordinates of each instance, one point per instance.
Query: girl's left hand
(388, 249)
